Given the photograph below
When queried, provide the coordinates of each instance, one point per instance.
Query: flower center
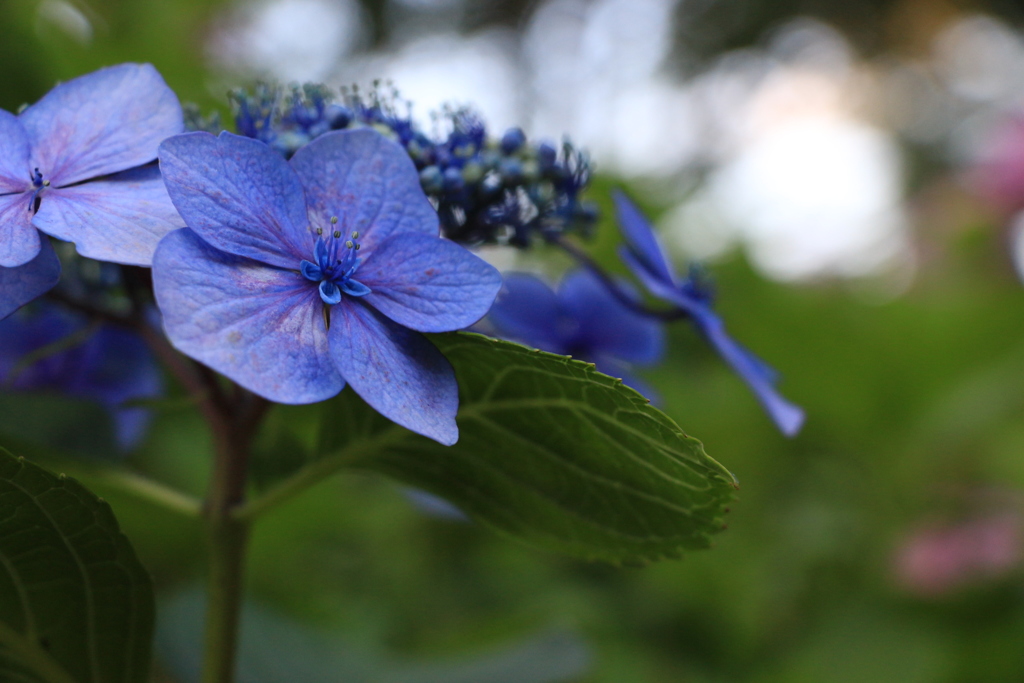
(334, 263)
(38, 185)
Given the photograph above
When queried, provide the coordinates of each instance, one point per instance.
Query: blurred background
(851, 175)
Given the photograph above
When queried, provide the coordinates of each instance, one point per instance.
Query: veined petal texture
(263, 327)
(119, 219)
(239, 195)
(15, 173)
(19, 240)
(22, 284)
(107, 121)
(427, 283)
(395, 370)
(368, 182)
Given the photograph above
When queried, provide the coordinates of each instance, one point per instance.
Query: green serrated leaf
(550, 451)
(76, 606)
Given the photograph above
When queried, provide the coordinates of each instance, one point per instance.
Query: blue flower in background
(645, 258)
(295, 277)
(73, 166)
(49, 349)
(26, 282)
(505, 190)
(583, 320)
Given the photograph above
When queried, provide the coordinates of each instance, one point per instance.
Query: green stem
(233, 429)
(227, 538)
(146, 489)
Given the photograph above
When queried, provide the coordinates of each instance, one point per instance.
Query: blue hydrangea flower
(645, 258)
(73, 165)
(583, 320)
(295, 277)
(103, 363)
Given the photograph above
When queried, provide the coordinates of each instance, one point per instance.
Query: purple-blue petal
(527, 310)
(310, 271)
(758, 375)
(395, 370)
(330, 294)
(260, 326)
(320, 252)
(368, 182)
(115, 366)
(239, 195)
(434, 506)
(427, 283)
(22, 284)
(19, 240)
(355, 288)
(606, 325)
(641, 238)
(14, 155)
(788, 417)
(118, 219)
(31, 330)
(107, 121)
(667, 290)
(109, 365)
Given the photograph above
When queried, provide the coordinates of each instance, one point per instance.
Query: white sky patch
(653, 129)
(698, 228)
(287, 40)
(479, 70)
(801, 180)
(592, 68)
(816, 195)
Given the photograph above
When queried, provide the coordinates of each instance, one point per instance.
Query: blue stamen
(39, 184)
(334, 269)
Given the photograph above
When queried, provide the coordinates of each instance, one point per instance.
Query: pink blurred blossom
(998, 174)
(941, 558)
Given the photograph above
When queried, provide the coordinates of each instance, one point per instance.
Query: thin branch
(149, 490)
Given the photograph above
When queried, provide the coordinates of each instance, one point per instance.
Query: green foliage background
(907, 400)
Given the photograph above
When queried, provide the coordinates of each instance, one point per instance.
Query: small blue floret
(513, 139)
(334, 272)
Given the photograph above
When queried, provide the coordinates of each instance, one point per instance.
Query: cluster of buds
(486, 189)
